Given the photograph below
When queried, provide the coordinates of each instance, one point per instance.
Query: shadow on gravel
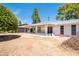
(8, 37)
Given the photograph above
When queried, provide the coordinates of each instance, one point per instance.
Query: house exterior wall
(42, 29)
(77, 29)
(67, 30)
(56, 30)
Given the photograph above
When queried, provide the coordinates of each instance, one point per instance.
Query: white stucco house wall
(66, 28)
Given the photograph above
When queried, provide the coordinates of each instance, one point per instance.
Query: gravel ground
(35, 45)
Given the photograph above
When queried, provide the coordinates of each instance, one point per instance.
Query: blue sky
(23, 11)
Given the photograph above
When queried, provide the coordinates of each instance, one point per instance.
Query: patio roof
(31, 25)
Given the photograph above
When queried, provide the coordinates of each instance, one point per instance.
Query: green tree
(8, 21)
(68, 11)
(35, 16)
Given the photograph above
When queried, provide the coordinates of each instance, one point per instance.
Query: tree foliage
(8, 21)
(35, 16)
(68, 11)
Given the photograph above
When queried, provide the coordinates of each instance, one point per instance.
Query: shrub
(8, 21)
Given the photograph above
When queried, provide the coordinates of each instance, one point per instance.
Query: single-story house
(67, 28)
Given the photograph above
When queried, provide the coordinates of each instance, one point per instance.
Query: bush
(8, 21)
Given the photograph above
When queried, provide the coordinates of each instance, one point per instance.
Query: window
(73, 29)
(61, 29)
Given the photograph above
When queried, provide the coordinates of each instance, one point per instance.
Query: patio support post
(36, 29)
(46, 30)
(29, 30)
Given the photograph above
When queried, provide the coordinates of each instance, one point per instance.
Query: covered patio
(37, 28)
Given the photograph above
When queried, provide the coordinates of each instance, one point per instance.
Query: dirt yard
(36, 45)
